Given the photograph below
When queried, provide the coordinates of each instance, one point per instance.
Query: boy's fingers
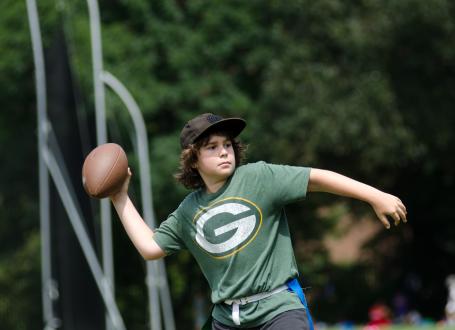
(402, 215)
(384, 220)
(396, 218)
(402, 207)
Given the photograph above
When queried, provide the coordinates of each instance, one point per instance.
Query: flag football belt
(246, 300)
(292, 285)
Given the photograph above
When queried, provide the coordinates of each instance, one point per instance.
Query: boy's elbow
(152, 252)
(151, 256)
(146, 255)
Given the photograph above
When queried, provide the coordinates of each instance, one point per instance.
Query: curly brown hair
(188, 175)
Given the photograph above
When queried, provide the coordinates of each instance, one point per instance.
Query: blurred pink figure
(450, 306)
(379, 315)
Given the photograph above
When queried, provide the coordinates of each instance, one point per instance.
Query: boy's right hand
(123, 190)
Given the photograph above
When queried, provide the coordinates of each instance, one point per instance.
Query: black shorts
(295, 319)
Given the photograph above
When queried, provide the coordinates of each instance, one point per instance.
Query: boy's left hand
(389, 205)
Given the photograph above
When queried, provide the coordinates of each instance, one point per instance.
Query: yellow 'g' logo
(227, 226)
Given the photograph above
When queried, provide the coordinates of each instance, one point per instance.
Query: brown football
(105, 169)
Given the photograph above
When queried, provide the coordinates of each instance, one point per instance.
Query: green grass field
(403, 327)
(422, 327)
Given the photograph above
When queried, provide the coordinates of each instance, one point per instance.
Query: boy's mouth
(224, 163)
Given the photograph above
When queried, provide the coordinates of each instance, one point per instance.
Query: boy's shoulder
(190, 198)
(188, 203)
(256, 169)
(266, 170)
(252, 166)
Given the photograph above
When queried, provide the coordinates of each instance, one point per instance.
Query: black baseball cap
(197, 126)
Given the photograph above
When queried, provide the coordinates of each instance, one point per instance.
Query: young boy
(234, 224)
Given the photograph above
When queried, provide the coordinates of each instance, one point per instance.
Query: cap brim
(232, 125)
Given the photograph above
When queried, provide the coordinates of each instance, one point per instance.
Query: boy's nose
(223, 151)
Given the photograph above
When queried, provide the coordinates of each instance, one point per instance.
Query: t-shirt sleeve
(286, 183)
(168, 237)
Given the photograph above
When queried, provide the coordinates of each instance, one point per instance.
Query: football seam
(109, 173)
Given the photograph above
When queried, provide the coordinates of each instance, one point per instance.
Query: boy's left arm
(383, 204)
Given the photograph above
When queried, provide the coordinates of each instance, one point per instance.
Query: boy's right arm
(138, 231)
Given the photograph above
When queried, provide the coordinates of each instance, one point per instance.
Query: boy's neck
(213, 187)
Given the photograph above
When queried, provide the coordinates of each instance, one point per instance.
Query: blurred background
(361, 87)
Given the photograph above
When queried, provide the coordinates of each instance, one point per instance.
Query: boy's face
(216, 159)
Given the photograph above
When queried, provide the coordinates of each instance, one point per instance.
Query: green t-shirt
(240, 238)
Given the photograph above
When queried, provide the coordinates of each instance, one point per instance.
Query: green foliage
(21, 286)
(19, 255)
